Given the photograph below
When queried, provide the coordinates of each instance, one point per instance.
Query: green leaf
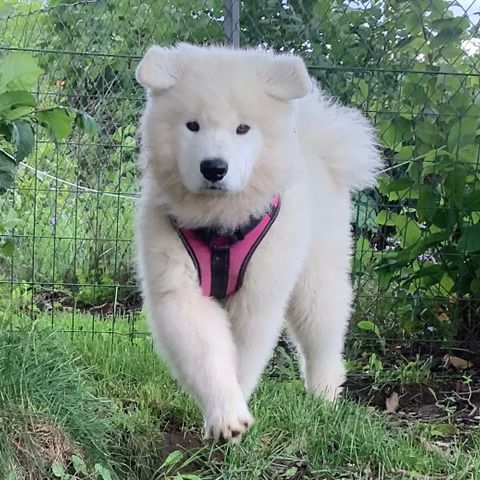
(469, 154)
(79, 465)
(409, 233)
(405, 153)
(87, 123)
(18, 112)
(24, 139)
(433, 271)
(8, 247)
(462, 133)
(58, 470)
(464, 279)
(471, 201)
(15, 99)
(363, 252)
(446, 36)
(321, 10)
(385, 218)
(417, 44)
(173, 458)
(399, 185)
(452, 22)
(427, 203)
(444, 219)
(391, 135)
(412, 21)
(428, 133)
(58, 120)
(18, 71)
(401, 188)
(447, 285)
(367, 325)
(455, 182)
(430, 240)
(103, 472)
(450, 29)
(121, 133)
(7, 171)
(469, 241)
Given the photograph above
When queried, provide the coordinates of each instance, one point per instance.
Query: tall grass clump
(48, 410)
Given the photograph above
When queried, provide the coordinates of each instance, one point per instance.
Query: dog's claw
(229, 429)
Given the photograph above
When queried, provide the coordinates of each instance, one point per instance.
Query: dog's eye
(242, 129)
(193, 126)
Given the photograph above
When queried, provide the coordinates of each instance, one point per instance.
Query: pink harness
(221, 259)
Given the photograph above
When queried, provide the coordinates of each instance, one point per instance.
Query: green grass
(48, 405)
(108, 399)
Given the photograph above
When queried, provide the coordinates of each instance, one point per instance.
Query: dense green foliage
(411, 66)
(20, 115)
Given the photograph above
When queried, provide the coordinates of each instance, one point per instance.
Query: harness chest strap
(221, 260)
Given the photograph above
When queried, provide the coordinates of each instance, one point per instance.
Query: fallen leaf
(392, 403)
(442, 317)
(457, 362)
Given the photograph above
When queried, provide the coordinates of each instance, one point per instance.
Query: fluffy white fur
(301, 145)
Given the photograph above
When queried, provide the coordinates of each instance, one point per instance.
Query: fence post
(231, 22)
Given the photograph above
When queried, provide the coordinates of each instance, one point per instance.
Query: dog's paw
(229, 425)
(328, 392)
(327, 384)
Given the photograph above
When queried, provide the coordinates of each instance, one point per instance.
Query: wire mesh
(411, 66)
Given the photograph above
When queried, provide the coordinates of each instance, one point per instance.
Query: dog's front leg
(255, 332)
(257, 310)
(193, 333)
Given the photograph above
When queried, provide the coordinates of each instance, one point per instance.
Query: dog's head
(218, 120)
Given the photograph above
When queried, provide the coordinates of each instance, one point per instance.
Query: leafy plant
(81, 471)
(21, 114)
(368, 326)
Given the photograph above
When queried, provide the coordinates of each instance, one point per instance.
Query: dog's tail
(343, 139)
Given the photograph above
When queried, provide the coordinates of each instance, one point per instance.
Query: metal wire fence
(412, 66)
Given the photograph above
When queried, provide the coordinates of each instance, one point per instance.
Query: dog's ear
(287, 78)
(159, 69)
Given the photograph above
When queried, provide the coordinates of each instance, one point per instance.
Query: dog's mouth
(214, 187)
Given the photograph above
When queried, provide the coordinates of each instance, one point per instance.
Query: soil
(47, 300)
(445, 404)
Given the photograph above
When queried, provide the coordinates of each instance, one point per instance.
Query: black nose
(213, 169)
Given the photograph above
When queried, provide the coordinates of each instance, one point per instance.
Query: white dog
(242, 146)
